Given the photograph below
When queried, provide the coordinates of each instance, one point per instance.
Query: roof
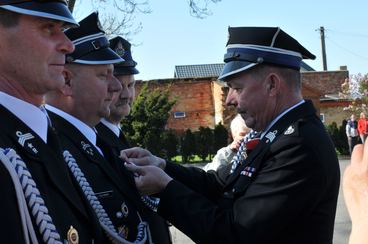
(210, 70)
(198, 70)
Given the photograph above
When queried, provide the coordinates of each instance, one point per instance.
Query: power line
(351, 34)
(345, 49)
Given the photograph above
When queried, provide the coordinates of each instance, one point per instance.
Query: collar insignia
(289, 130)
(271, 136)
(87, 148)
(22, 138)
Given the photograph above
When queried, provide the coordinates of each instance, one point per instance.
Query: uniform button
(233, 190)
(119, 215)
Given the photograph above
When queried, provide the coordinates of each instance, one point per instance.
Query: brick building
(201, 97)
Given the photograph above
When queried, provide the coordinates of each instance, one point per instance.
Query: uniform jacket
(290, 198)
(115, 191)
(66, 204)
(112, 147)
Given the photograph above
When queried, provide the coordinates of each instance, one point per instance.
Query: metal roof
(210, 70)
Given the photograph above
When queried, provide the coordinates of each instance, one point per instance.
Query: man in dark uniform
(109, 129)
(40, 201)
(285, 190)
(74, 111)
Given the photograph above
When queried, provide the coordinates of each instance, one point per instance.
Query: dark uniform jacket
(116, 191)
(290, 198)
(66, 204)
(111, 149)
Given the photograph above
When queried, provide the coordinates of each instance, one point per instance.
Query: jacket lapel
(92, 155)
(33, 147)
(256, 156)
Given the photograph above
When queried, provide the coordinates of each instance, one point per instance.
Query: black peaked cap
(91, 43)
(251, 46)
(51, 9)
(123, 48)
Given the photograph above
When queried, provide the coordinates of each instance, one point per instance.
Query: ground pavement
(342, 221)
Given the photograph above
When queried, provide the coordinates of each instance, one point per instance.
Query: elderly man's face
(33, 55)
(122, 101)
(93, 87)
(250, 96)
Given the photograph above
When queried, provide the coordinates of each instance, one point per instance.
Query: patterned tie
(240, 155)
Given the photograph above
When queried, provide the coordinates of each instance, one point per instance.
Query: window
(322, 117)
(179, 115)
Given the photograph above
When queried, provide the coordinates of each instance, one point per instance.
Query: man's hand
(149, 179)
(237, 141)
(355, 187)
(141, 157)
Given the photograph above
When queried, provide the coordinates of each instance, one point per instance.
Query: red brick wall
(193, 96)
(327, 82)
(201, 98)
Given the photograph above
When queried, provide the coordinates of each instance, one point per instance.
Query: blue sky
(170, 36)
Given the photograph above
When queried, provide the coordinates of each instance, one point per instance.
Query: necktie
(249, 141)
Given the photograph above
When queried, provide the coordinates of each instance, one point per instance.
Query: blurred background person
(224, 155)
(352, 132)
(362, 127)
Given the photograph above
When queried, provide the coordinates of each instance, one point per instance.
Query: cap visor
(103, 56)
(234, 67)
(120, 70)
(50, 10)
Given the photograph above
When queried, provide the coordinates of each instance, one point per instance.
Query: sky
(171, 36)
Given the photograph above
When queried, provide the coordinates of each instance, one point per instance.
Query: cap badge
(120, 49)
(72, 235)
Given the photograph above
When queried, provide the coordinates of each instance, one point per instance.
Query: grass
(194, 159)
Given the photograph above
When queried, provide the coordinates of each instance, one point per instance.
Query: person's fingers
(137, 170)
(126, 153)
(365, 153)
(357, 155)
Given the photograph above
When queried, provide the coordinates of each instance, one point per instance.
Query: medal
(123, 231)
(72, 236)
(124, 209)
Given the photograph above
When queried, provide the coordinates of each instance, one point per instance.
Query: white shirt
(87, 131)
(113, 127)
(28, 113)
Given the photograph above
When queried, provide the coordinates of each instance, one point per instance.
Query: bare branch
(198, 8)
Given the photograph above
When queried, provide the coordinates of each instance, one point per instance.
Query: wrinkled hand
(141, 157)
(237, 141)
(355, 187)
(149, 179)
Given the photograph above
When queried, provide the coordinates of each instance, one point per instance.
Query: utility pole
(324, 59)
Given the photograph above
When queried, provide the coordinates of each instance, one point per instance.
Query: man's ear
(67, 87)
(273, 84)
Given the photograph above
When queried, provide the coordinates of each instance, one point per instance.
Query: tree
(118, 16)
(355, 89)
(187, 145)
(338, 137)
(220, 136)
(146, 123)
(169, 144)
(204, 142)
